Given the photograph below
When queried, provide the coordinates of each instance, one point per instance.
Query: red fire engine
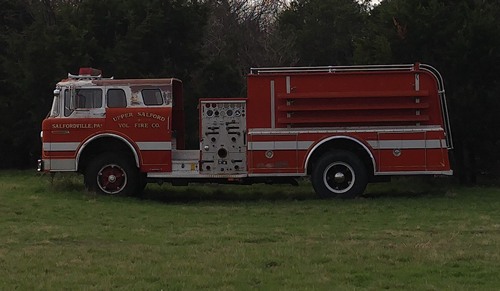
(344, 126)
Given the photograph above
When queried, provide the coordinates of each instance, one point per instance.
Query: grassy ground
(409, 235)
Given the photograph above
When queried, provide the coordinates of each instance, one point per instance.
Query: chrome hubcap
(339, 177)
(111, 179)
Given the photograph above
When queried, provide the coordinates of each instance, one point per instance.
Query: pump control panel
(223, 136)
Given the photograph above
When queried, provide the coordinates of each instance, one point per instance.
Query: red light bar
(89, 72)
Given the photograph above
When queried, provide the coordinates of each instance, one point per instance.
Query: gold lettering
(123, 116)
(151, 115)
(76, 125)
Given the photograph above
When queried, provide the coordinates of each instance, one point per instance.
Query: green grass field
(406, 235)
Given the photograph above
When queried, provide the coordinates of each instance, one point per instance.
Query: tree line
(211, 44)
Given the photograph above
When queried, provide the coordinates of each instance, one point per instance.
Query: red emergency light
(89, 72)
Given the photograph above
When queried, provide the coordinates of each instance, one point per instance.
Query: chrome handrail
(332, 69)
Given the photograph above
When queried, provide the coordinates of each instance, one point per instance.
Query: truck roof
(117, 82)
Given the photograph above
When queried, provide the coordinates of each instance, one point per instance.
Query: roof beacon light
(90, 72)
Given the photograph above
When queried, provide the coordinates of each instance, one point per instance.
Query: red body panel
(284, 159)
(63, 138)
(141, 125)
(332, 99)
(395, 114)
(135, 125)
(412, 150)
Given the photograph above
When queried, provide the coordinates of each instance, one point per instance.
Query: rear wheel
(339, 174)
(112, 174)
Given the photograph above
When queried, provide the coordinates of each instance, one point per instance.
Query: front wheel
(112, 174)
(339, 174)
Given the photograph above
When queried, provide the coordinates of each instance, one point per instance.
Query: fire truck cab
(343, 126)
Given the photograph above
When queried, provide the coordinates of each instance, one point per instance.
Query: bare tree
(245, 34)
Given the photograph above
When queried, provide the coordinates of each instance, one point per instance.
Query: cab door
(81, 117)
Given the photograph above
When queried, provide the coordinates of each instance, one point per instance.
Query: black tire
(112, 174)
(339, 174)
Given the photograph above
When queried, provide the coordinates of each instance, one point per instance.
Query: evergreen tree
(325, 31)
(461, 39)
(40, 41)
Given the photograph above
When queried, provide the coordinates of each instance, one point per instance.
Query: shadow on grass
(70, 183)
(412, 187)
(225, 193)
(404, 187)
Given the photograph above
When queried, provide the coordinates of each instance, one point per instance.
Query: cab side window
(115, 98)
(152, 97)
(81, 99)
(88, 98)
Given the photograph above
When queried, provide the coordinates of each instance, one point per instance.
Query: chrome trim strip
(196, 174)
(378, 145)
(59, 165)
(278, 145)
(221, 101)
(402, 173)
(154, 146)
(60, 146)
(294, 131)
(278, 175)
(406, 144)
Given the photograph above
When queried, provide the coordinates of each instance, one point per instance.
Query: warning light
(89, 72)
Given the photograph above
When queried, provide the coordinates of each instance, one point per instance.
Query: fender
(82, 147)
(319, 144)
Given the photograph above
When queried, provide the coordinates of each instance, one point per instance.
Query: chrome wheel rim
(111, 179)
(339, 177)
